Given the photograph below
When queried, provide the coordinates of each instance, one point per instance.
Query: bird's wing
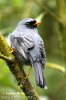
(22, 44)
(38, 53)
(43, 54)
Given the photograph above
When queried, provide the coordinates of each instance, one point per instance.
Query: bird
(29, 48)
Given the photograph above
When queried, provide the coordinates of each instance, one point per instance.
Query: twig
(57, 67)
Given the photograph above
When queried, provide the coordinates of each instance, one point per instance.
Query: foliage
(53, 31)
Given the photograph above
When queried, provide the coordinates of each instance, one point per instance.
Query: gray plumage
(30, 48)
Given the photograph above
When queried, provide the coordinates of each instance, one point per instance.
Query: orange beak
(37, 23)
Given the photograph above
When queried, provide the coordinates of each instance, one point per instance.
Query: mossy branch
(17, 70)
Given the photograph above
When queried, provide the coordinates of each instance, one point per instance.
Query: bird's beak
(37, 23)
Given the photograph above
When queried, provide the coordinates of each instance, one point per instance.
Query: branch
(17, 70)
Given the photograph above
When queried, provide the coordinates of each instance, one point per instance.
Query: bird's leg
(28, 72)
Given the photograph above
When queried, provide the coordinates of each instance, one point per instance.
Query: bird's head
(29, 23)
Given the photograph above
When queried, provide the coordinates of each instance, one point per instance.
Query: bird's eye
(27, 23)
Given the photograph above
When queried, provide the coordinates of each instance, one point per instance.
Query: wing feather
(22, 44)
(43, 54)
(28, 42)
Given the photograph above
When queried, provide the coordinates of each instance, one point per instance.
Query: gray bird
(29, 48)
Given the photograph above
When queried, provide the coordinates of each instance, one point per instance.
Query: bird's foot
(27, 75)
(12, 50)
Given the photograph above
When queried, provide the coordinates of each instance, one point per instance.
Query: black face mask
(31, 24)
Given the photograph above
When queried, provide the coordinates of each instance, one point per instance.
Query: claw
(27, 75)
(12, 50)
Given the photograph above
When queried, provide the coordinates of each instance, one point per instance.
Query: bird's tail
(39, 78)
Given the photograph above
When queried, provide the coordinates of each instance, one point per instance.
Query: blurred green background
(53, 31)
